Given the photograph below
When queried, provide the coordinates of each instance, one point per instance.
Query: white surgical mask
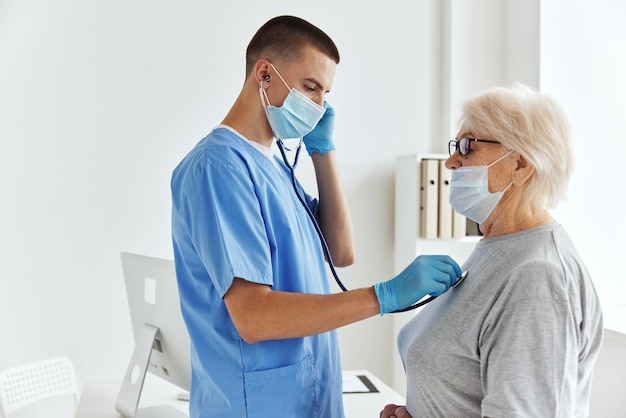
(296, 117)
(469, 191)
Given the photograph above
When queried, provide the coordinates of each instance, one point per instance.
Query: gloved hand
(426, 275)
(320, 139)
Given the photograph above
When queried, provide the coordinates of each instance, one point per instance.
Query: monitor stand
(160, 411)
(130, 392)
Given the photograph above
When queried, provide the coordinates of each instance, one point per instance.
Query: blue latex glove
(426, 275)
(320, 139)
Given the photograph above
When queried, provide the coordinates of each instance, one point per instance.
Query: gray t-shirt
(518, 338)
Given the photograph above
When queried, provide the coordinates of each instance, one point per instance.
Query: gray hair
(534, 125)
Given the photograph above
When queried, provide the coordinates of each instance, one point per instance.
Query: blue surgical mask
(469, 191)
(296, 117)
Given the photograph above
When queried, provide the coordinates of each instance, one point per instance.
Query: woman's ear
(523, 172)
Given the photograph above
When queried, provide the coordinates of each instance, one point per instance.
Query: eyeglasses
(463, 145)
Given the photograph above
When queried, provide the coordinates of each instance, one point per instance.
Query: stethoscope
(292, 168)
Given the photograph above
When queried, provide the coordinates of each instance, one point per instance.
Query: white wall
(583, 63)
(485, 43)
(100, 100)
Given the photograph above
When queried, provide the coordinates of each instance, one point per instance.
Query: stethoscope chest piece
(460, 279)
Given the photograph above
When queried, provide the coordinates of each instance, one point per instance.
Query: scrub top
(235, 214)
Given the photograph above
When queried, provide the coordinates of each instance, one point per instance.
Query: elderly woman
(520, 336)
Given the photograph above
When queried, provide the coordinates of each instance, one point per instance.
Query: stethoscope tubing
(292, 168)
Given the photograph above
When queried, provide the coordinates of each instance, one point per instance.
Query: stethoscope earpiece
(267, 78)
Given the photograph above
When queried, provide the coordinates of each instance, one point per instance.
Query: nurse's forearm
(260, 314)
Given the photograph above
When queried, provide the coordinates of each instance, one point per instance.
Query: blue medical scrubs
(235, 214)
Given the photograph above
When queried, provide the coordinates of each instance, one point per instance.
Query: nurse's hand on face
(394, 411)
(426, 275)
(320, 139)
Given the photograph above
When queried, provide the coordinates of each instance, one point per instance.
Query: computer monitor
(161, 339)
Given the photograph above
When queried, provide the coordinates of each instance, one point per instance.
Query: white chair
(37, 383)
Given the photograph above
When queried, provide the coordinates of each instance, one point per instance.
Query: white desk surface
(97, 399)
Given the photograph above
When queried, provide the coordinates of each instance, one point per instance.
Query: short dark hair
(284, 38)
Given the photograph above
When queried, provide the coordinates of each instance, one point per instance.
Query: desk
(366, 405)
(97, 399)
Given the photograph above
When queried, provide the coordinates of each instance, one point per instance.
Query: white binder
(429, 202)
(459, 225)
(445, 210)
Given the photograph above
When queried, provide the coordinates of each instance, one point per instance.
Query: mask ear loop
(507, 188)
(265, 101)
(501, 158)
(281, 77)
(498, 160)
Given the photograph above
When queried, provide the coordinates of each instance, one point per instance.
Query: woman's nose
(453, 161)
